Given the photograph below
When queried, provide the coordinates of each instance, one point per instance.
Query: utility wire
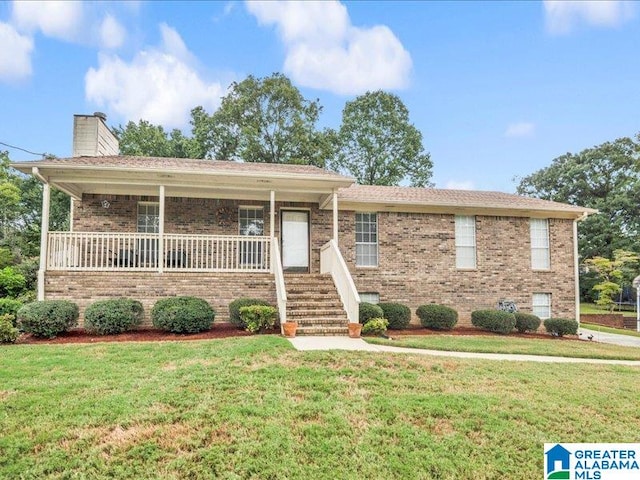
(22, 149)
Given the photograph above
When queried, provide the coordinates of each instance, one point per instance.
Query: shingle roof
(185, 164)
(451, 198)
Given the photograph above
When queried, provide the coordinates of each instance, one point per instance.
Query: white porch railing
(281, 291)
(331, 261)
(92, 251)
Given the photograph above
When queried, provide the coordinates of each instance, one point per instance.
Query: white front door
(295, 240)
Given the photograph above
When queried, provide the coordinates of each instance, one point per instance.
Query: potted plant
(290, 329)
(355, 329)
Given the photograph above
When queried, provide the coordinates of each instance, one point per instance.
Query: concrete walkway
(613, 338)
(307, 343)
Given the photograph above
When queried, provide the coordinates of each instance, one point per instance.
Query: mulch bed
(226, 330)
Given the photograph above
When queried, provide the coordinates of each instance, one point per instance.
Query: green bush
(12, 282)
(258, 317)
(9, 306)
(367, 311)
(182, 315)
(437, 317)
(48, 318)
(496, 321)
(375, 326)
(8, 333)
(399, 315)
(526, 322)
(561, 326)
(236, 305)
(117, 315)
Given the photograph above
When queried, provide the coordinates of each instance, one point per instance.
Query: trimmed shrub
(561, 326)
(399, 315)
(8, 333)
(258, 317)
(116, 315)
(237, 304)
(526, 322)
(367, 311)
(437, 317)
(496, 321)
(375, 326)
(182, 315)
(9, 306)
(48, 318)
(12, 282)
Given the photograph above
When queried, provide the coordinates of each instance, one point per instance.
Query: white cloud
(112, 34)
(563, 16)
(325, 51)
(159, 84)
(15, 54)
(58, 19)
(520, 130)
(459, 185)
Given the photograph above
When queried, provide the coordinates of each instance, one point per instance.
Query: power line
(22, 149)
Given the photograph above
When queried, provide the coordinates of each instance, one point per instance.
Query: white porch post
(44, 234)
(576, 269)
(71, 205)
(161, 231)
(272, 214)
(335, 217)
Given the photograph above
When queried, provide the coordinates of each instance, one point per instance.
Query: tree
(605, 177)
(611, 273)
(144, 138)
(378, 145)
(262, 120)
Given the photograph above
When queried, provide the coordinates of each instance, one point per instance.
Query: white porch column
(335, 217)
(71, 207)
(272, 214)
(44, 234)
(576, 269)
(161, 230)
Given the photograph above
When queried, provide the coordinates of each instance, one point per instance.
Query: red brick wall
(416, 254)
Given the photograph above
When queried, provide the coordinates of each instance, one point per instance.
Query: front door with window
(295, 240)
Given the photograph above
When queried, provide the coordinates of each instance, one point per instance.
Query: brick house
(309, 240)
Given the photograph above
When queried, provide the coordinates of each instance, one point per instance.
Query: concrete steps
(313, 302)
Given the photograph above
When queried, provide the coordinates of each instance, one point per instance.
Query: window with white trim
(366, 239)
(251, 221)
(465, 241)
(541, 305)
(540, 244)
(370, 297)
(148, 217)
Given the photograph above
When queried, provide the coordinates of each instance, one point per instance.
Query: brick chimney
(92, 137)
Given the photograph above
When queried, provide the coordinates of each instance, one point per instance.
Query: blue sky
(498, 90)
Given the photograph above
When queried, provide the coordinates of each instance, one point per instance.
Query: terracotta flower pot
(290, 329)
(354, 330)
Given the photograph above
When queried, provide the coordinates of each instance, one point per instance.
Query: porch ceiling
(290, 184)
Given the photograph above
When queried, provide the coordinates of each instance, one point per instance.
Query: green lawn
(593, 308)
(507, 344)
(254, 408)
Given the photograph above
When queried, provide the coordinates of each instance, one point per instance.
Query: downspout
(44, 230)
(576, 269)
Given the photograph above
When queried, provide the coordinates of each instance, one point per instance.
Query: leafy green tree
(605, 177)
(262, 120)
(378, 145)
(612, 275)
(146, 139)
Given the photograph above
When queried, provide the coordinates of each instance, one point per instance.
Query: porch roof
(133, 175)
(464, 202)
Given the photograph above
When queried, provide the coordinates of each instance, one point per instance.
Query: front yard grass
(508, 344)
(255, 408)
(593, 308)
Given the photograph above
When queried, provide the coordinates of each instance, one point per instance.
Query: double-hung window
(251, 224)
(465, 242)
(366, 240)
(148, 222)
(540, 259)
(542, 305)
